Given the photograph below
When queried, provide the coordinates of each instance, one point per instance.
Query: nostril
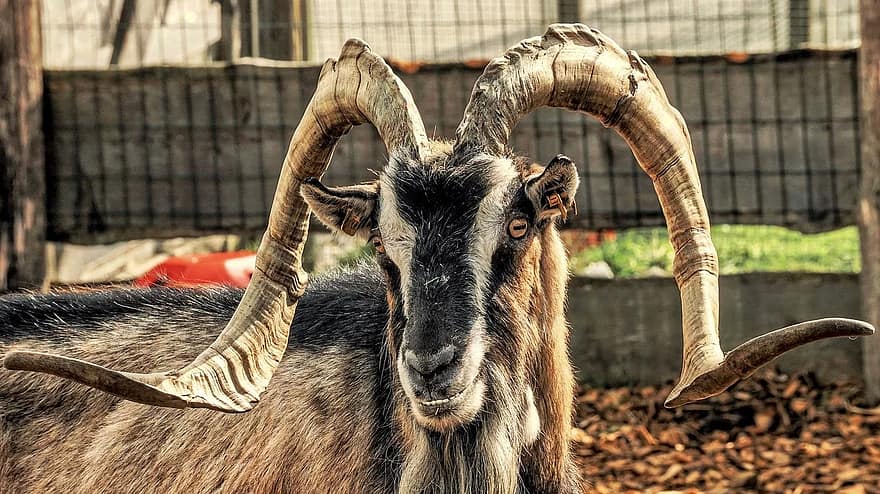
(427, 363)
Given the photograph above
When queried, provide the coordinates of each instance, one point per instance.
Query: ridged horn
(577, 68)
(233, 371)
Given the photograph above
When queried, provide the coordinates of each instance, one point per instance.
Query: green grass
(740, 249)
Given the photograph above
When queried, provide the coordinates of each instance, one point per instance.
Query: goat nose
(429, 363)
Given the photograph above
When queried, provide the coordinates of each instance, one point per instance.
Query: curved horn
(577, 68)
(233, 371)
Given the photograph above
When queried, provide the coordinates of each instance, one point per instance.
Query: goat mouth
(436, 408)
(446, 402)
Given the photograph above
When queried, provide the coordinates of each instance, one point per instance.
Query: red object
(223, 268)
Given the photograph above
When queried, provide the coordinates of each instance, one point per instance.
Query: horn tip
(712, 383)
(680, 396)
(18, 360)
(830, 327)
(683, 394)
(858, 328)
(674, 402)
(9, 360)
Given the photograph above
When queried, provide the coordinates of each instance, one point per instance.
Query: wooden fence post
(569, 11)
(22, 173)
(229, 48)
(868, 210)
(798, 23)
(274, 29)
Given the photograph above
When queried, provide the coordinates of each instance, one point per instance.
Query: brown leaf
(772, 434)
(853, 489)
(764, 420)
(671, 472)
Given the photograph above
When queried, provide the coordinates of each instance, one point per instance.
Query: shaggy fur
(336, 417)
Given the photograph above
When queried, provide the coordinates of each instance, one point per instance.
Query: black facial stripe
(396, 316)
(441, 298)
(440, 202)
(504, 262)
(424, 193)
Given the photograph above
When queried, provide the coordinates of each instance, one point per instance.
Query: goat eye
(517, 227)
(376, 240)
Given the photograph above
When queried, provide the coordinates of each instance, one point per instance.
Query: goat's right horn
(231, 374)
(578, 68)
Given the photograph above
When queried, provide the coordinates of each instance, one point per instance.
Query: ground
(770, 434)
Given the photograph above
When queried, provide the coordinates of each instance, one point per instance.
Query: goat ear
(552, 189)
(347, 209)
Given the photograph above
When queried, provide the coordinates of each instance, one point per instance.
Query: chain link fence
(171, 117)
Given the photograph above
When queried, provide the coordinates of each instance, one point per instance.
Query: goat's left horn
(231, 374)
(578, 68)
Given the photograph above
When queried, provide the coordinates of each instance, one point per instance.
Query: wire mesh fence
(169, 117)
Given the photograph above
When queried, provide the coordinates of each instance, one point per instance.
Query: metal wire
(164, 121)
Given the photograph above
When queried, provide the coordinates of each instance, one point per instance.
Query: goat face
(459, 238)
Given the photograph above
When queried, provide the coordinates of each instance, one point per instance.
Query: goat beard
(480, 457)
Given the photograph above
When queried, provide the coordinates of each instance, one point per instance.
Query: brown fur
(315, 426)
(540, 348)
(290, 443)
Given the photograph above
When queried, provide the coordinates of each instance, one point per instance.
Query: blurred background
(164, 124)
(171, 117)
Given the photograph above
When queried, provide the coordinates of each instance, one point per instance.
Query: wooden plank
(229, 47)
(798, 23)
(569, 10)
(268, 29)
(869, 197)
(22, 180)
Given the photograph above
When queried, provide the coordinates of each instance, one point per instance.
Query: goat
(441, 366)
